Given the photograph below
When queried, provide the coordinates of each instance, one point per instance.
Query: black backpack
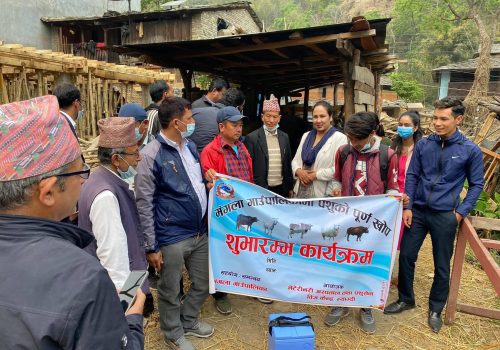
(383, 156)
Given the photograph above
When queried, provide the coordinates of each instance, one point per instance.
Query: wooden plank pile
(26, 72)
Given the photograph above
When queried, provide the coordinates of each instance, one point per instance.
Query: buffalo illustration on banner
(327, 251)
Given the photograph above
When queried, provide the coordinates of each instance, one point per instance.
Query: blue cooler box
(291, 337)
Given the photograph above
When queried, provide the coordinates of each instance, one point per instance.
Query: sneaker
(367, 321)
(223, 305)
(200, 329)
(334, 316)
(265, 301)
(180, 344)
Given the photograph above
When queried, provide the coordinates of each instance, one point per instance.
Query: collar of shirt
(173, 143)
(224, 144)
(268, 133)
(69, 119)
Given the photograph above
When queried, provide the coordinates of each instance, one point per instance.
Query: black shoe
(398, 307)
(149, 306)
(435, 321)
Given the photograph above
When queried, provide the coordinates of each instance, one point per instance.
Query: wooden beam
(383, 58)
(479, 311)
(484, 223)
(374, 52)
(275, 51)
(483, 255)
(491, 243)
(285, 43)
(345, 47)
(317, 49)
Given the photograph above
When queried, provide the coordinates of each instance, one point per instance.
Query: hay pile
(246, 328)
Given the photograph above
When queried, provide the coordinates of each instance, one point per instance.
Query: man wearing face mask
(136, 111)
(107, 205)
(172, 203)
(270, 151)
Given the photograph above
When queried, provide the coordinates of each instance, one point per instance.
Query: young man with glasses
(107, 204)
(53, 294)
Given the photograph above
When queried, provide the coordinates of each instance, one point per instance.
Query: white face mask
(271, 130)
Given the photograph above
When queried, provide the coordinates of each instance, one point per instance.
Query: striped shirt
(274, 173)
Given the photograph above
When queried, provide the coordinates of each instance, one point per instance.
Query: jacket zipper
(440, 168)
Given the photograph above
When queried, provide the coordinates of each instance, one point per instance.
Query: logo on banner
(224, 191)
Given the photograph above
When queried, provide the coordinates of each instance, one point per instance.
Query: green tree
(406, 87)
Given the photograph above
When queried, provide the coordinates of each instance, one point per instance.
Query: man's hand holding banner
(330, 251)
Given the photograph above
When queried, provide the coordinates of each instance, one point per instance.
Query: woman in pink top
(408, 133)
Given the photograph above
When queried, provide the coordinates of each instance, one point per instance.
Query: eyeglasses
(84, 174)
(136, 154)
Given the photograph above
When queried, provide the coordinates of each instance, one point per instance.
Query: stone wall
(204, 24)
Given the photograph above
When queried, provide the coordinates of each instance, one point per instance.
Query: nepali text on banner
(329, 251)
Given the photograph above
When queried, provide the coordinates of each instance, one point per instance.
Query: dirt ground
(246, 327)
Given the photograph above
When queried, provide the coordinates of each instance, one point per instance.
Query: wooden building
(285, 62)
(456, 79)
(93, 37)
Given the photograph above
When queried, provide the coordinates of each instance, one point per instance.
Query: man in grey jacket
(53, 294)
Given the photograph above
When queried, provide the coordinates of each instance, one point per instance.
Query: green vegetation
(426, 34)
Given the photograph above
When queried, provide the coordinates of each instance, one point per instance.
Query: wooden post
(348, 89)
(187, 77)
(335, 96)
(306, 102)
(3, 88)
(40, 83)
(378, 94)
(458, 263)
(99, 99)
(105, 96)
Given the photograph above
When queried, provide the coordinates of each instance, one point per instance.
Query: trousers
(442, 227)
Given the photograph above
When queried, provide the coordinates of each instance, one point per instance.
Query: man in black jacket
(53, 294)
(269, 148)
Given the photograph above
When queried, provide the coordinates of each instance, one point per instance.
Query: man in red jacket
(227, 155)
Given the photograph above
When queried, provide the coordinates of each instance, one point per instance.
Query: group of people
(75, 235)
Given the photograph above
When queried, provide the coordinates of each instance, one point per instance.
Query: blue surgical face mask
(130, 173)
(138, 134)
(189, 130)
(405, 131)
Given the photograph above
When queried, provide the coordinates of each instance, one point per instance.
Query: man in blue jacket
(172, 203)
(53, 294)
(438, 169)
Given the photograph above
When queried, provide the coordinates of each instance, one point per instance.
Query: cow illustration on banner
(328, 251)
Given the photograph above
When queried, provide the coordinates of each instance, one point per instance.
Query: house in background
(456, 79)
(94, 37)
(21, 23)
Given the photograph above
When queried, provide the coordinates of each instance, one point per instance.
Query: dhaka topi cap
(34, 139)
(133, 110)
(117, 132)
(271, 105)
(230, 113)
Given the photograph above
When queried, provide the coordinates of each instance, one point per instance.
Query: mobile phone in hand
(129, 290)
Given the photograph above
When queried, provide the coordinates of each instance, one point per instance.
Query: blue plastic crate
(291, 338)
